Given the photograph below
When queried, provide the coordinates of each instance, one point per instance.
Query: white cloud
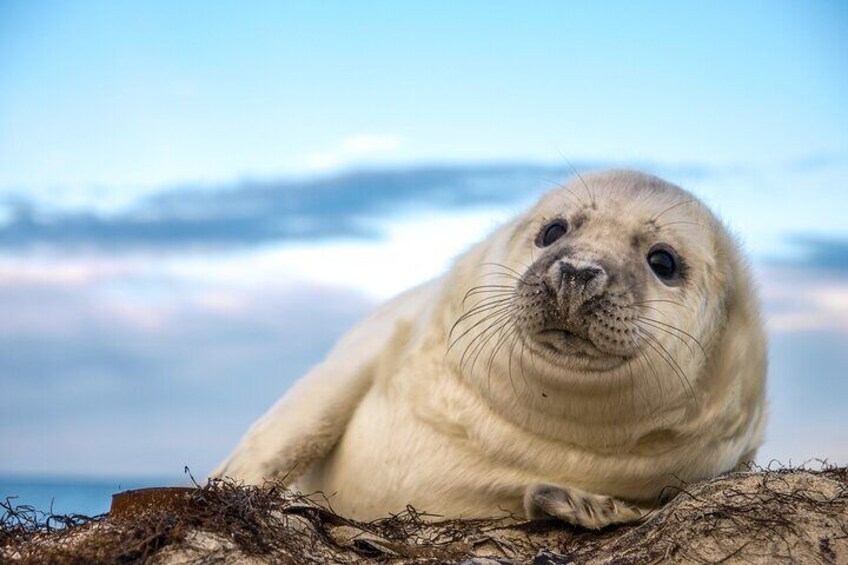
(123, 371)
(60, 271)
(370, 144)
(804, 299)
(415, 249)
(352, 150)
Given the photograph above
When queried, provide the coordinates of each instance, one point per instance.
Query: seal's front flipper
(578, 507)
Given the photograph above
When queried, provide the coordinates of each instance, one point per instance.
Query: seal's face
(604, 259)
(618, 273)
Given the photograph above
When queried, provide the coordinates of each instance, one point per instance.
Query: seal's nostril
(567, 271)
(582, 275)
(587, 274)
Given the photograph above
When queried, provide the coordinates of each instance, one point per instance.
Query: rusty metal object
(135, 502)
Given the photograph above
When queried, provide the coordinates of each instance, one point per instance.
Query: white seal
(594, 351)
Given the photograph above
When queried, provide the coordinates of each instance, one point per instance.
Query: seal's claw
(577, 507)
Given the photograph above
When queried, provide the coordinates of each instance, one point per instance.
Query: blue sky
(182, 183)
(141, 95)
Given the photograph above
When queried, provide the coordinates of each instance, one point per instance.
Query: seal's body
(597, 349)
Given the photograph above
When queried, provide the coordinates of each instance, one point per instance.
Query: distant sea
(69, 496)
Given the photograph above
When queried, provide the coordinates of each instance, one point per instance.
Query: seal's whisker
(559, 184)
(659, 385)
(488, 287)
(670, 358)
(483, 303)
(655, 217)
(500, 309)
(483, 338)
(644, 362)
(580, 202)
(479, 310)
(586, 186)
(484, 310)
(505, 333)
(659, 300)
(491, 318)
(634, 387)
(644, 335)
(524, 266)
(491, 293)
(632, 382)
(492, 290)
(644, 323)
(582, 181)
(683, 341)
(495, 274)
(651, 340)
(502, 266)
(675, 328)
(515, 336)
(654, 308)
(665, 225)
(500, 343)
(521, 363)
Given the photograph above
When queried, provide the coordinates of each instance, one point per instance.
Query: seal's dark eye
(551, 232)
(663, 263)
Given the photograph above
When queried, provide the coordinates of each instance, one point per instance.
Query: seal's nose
(579, 275)
(577, 282)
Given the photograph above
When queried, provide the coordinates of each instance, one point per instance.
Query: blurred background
(198, 198)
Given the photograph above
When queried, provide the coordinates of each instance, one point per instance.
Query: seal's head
(616, 280)
(607, 260)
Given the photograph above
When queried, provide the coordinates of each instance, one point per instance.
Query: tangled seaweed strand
(776, 515)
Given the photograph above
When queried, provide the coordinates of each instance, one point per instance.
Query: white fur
(389, 419)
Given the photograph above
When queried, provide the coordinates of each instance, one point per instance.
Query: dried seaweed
(773, 515)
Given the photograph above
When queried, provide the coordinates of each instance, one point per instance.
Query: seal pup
(599, 348)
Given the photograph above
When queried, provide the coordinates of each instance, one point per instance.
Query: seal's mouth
(566, 342)
(565, 346)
